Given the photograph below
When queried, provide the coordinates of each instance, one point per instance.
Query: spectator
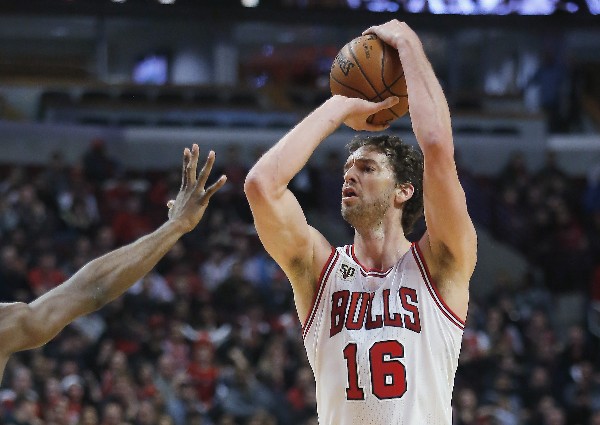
(112, 414)
(165, 375)
(145, 381)
(53, 180)
(301, 395)
(538, 385)
(89, 416)
(45, 275)
(13, 275)
(241, 394)
(147, 414)
(217, 266)
(232, 197)
(73, 388)
(186, 402)
(98, 165)
(204, 372)
(24, 412)
(130, 222)
(552, 78)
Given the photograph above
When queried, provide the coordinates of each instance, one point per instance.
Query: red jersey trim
(325, 272)
(432, 288)
(368, 272)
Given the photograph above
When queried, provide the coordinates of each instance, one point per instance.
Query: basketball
(370, 69)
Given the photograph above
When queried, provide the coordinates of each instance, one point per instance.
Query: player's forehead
(367, 154)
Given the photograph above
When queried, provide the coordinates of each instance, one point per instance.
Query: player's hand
(358, 111)
(393, 32)
(192, 199)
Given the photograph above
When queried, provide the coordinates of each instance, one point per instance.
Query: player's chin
(348, 206)
(350, 213)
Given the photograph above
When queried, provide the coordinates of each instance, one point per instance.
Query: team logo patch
(347, 272)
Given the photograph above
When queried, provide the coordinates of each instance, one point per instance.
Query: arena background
(98, 99)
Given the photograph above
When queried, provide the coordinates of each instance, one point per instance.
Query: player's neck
(380, 250)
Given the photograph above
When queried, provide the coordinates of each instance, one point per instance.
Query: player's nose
(349, 174)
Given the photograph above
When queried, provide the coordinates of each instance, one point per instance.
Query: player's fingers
(203, 176)
(193, 165)
(389, 102)
(214, 187)
(376, 127)
(184, 171)
(369, 30)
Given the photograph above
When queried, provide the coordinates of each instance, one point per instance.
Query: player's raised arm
(449, 227)
(24, 326)
(298, 248)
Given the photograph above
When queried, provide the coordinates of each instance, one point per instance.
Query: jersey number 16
(388, 376)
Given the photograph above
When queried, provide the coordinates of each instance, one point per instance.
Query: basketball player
(24, 326)
(382, 318)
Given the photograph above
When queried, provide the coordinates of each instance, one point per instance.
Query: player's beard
(366, 215)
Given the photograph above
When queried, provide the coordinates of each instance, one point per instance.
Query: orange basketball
(370, 69)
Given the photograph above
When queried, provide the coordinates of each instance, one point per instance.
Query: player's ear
(404, 191)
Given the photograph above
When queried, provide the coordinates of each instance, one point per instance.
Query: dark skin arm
(25, 326)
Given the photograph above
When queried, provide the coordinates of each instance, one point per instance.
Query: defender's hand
(192, 199)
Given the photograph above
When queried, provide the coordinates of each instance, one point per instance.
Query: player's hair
(407, 164)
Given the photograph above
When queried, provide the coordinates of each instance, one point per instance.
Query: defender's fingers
(203, 176)
(215, 186)
(184, 171)
(193, 165)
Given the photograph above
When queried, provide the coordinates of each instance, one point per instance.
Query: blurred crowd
(211, 336)
(531, 350)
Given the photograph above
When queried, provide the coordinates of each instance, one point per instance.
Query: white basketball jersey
(383, 345)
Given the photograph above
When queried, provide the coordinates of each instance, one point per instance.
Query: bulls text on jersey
(353, 311)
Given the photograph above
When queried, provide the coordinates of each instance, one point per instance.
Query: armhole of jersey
(432, 288)
(325, 272)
